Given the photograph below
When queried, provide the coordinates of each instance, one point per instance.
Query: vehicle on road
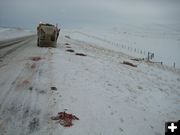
(47, 35)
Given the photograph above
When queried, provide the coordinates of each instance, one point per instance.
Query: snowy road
(109, 98)
(9, 46)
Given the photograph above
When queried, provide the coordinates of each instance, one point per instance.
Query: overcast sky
(87, 13)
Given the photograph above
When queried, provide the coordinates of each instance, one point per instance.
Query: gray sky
(87, 13)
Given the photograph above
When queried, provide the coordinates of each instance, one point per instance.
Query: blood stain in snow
(65, 119)
(33, 65)
(25, 82)
(36, 58)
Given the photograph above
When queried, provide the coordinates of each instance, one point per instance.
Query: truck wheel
(38, 42)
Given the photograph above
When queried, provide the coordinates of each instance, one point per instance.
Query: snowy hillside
(109, 97)
(137, 40)
(10, 33)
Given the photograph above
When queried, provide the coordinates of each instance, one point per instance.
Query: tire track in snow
(50, 83)
(8, 50)
(20, 105)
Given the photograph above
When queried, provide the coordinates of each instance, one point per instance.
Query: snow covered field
(110, 98)
(9, 33)
(137, 40)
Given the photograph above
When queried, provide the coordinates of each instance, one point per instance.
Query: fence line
(129, 48)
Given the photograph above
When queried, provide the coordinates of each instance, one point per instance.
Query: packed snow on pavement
(108, 97)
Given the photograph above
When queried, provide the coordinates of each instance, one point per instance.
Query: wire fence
(141, 52)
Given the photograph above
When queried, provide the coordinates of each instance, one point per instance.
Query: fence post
(174, 64)
(150, 55)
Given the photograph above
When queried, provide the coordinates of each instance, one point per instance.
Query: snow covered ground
(137, 40)
(9, 33)
(110, 98)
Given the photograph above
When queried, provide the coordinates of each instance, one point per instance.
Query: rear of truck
(47, 35)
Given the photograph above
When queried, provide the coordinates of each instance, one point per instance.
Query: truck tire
(38, 42)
